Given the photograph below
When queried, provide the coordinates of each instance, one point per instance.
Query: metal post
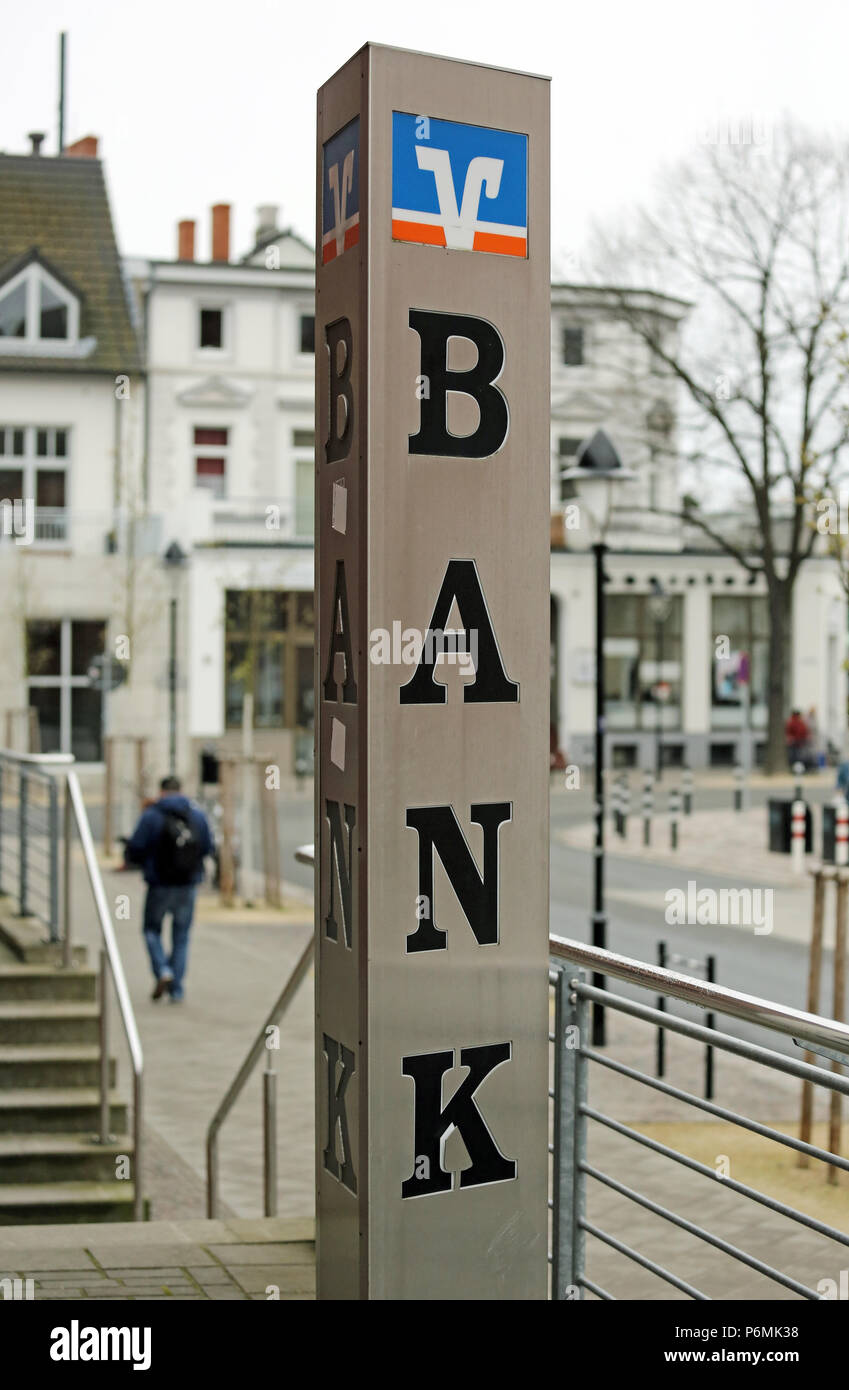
(836, 1106)
(812, 1006)
(138, 1156)
(570, 1094)
(738, 786)
(626, 803)
(674, 812)
(658, 704)
(710, 1022)
(141, 787)
(648, 802)
(687, 784)
(599, 922)
(269, 1134)
(841, 832)
(67, 837)
(53, 852)
(661, 1004)
(63, 39)
(104, 1049)
(107, 794)
(1, 826)
(798, 828)
(172, 686)
(225, 872)
(23, 796)
(616, 800)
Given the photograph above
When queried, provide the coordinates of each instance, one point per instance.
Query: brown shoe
(163, 984)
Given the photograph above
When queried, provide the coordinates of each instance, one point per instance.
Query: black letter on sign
(340, 641)
(433, 437)
(338, 444)
(432, 1123)
(344, 869)
(337, 1117)
(490, 685)
(438, 829)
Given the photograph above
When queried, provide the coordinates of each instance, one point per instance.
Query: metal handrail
(812, 1029)
(65, 763)
(255, 1051)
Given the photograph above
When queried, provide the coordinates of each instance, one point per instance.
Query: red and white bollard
(841, 833)
(797, 836)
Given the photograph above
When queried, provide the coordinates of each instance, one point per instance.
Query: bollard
(687, 784)
(674, 813)
(797, 836)
(836, 1100)
(739, 775)
(626, 803)
(616, 806)
(841, 833)
(661, 1007)
(710, 1022)
(819, 875)
(648, 802)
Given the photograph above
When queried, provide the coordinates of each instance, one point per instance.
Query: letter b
(435, 330)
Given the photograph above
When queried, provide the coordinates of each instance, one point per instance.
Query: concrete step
(43, 1021)
(29, 941)
(45, 1064)
(57, 1110)
(46, 982)
(47, 1203)
(36, 1158)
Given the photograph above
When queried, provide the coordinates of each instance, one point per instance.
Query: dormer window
(37, 312)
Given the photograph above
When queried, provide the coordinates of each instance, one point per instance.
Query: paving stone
(288, 1278)
(296, 1253)
(209, 1274)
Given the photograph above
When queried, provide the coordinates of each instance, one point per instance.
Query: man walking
(170, 843)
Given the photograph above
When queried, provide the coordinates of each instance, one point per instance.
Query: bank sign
(431, 829)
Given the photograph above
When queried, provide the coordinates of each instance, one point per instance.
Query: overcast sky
(198, 101)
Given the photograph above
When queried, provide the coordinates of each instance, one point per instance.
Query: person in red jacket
(797, 733)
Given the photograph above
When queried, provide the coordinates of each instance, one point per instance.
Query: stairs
(51, 1168)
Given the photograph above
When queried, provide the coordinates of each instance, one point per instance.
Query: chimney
(82, 149)
(186, 240)
(36, 139)
(221, 232)
(266, 220)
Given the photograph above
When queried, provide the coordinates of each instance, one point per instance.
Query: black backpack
(178, 854)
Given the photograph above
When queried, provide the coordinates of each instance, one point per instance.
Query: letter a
(491, 685)
(340, 641)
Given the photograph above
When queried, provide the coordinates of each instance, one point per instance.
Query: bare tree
(756, 237)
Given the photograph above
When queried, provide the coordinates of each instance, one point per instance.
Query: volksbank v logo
(464, 187)
(340, 211)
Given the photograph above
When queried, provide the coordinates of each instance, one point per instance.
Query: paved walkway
(187, 1260)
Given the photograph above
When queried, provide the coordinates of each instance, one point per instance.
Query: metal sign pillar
(432, 672)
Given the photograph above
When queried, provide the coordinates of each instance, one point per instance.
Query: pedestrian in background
(170, 843)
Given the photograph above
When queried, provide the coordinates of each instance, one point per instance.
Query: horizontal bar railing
(574, 997)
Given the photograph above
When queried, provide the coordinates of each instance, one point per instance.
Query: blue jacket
(141, 847)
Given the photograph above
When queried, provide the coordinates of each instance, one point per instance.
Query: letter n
(433, 1122)
(337, 1114)
(438, 829)
(341, 868)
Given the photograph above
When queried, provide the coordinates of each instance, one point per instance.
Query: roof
(58, 208)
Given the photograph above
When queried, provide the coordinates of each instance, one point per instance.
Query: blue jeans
(178, 902)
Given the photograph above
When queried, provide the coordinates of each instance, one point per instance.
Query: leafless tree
(756, 237)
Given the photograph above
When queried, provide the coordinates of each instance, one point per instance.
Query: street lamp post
(597, 467)
(173, 559)
(660, 606)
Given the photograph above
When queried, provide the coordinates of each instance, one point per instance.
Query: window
(306, 329)
(211, 449)
(303, 442)
(567, 448)
(269, 651)
(41, 474)
(211, 328)
(70, 713)
(37, 313)
(642, 663)
(573, 347)
(740, 674)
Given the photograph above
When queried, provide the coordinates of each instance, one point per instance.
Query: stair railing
(45, 767)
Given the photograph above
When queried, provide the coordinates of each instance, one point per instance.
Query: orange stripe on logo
(501, 245)
(422, 232)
